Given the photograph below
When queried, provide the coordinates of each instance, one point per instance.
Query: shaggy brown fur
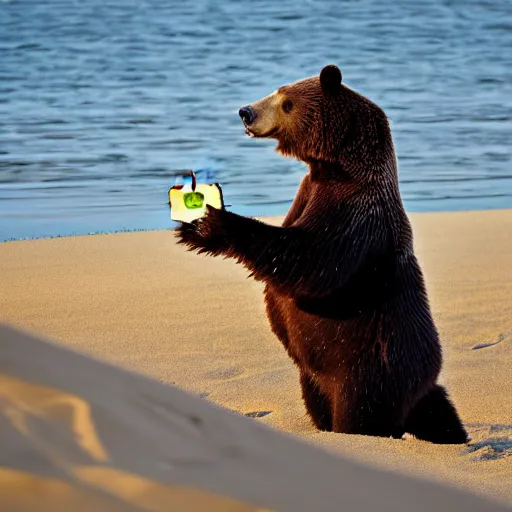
(344, 291)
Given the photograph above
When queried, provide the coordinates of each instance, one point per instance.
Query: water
(101, 102)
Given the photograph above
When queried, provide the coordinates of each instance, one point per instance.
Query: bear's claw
(205, 235)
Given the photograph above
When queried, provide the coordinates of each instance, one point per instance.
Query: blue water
(101, 102)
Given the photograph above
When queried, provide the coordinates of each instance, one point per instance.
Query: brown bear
(344, 291)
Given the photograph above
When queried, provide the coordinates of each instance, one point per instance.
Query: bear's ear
(330, 79)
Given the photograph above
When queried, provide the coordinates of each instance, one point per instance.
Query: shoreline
(260, 217)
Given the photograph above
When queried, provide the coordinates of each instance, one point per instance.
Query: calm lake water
(103, 101)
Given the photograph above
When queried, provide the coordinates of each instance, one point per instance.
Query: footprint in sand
(491, 448)
(504, 336)
(257, 414)
(227, 374)
(253, 414)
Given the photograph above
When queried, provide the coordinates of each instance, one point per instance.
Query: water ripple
(108, 98)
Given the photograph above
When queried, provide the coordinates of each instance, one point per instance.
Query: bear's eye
(287, 106)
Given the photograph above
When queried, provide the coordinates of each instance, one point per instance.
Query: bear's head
(319, 119)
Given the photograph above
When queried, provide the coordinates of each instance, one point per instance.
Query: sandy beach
(141, 302)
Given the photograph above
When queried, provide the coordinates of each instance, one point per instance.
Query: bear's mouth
(266, 135)
(248, 131)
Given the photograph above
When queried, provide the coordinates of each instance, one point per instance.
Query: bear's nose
(247, 114)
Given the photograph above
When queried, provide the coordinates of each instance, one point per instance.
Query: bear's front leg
(220, 232)
(283, 257)
(302, 263)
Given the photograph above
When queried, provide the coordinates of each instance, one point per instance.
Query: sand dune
(142, 302)
(82, 435)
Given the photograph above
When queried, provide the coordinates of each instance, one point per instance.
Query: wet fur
(344, 291)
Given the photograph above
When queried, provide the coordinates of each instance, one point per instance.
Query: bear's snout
(247, 115)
